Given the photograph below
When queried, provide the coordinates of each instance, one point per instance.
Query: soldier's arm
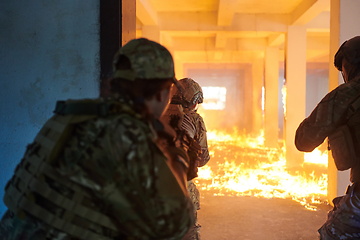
(323, 120)
(202, 140)
(308, 136)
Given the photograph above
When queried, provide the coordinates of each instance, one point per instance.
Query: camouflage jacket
(116, 160)
(328, 115)
(194, 125)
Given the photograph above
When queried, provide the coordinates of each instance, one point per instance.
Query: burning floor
(245, 183)
(242, 166)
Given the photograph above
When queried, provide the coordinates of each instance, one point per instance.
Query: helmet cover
(190, 95)
(350, 50)
(148, 59)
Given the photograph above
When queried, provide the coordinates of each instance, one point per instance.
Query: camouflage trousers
(194, 232)
(343, 221)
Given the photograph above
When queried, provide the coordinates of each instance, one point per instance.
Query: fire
(216, 136)
(316, 157)
(244, 167)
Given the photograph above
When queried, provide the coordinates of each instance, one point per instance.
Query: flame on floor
(242, 166)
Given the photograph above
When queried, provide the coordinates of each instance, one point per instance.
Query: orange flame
(317, 157)
(246, 168)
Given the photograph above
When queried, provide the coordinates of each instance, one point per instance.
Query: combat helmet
(148, 60)
(350, 50)
(190, 95)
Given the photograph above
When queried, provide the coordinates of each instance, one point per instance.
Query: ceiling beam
(220, 40)
(215, 57)
(226, 12)
(275, 40)
(207, 21)
(209, 44)
(308, 10)
(181, 44)
(321, 23)
(241, 56)
(146, 13)
(214, 33)
(218, 55)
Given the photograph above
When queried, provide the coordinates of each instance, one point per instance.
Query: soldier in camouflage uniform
(337, 117)
(185, 103)
(96, 169)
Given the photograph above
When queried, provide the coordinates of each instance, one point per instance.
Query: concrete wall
(317, 84)
(234, 80)
(48, 51)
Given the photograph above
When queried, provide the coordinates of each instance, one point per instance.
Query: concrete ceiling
(239, 6)
(232, 30)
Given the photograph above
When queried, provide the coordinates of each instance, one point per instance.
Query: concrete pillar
(271, 96)
(257, 81)
(179, 66)
(343, 18)
(295, 68)
(248, 95)
(166, 40)
(151, 33)
(128, 20)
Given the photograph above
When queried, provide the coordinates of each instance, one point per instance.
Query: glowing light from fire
(246, 168)
(205, 173)
(214, 98)
(284, 93)
(235, 138)
(317, 157)
(263, 98)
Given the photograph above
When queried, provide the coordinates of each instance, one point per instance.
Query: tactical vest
(200, 137)
(35, 173)
(344, 141)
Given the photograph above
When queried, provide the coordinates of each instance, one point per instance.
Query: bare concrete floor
(251, 218)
